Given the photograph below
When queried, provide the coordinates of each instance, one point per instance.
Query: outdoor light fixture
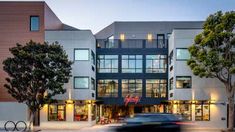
(69, 101)
(150, 37)
(122, 37)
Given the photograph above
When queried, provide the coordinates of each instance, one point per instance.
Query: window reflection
(132, 87)
(156, 63)
(132, 64)
(107, 63)
(56, 113)
(155, 88)
(107, 88)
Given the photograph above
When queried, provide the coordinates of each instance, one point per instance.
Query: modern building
(132, 67)
(21, 22)
(126, 68)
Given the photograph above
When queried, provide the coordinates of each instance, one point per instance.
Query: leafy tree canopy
(37, 72)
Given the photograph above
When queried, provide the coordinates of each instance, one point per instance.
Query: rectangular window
(132, 64)
(171, 58)
(183, 82)
(156, 63)
(107, 88)
(34, 23)
(92, 83)
(81, 82)
(202, 112)
(161, 41)
(81, 54)
(93, 57)
(185, 111)
(171, 84)
(156, 88)
(56, 113)
(182, 54)
(132, 87)
(80, 112)
(107, 63)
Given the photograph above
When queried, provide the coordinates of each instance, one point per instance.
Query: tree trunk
(231, 114)
(31, 117)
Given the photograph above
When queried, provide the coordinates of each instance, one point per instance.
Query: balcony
(132, 43)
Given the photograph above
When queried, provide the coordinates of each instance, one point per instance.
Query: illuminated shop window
(81, 112)
(156, 88)
(202, 112)
(56, 113)
(185, 111)
(107, 88)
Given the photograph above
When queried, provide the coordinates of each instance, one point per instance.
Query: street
(110, 128)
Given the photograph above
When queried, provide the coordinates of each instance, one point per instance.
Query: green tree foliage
(37, 72)
(213, 53)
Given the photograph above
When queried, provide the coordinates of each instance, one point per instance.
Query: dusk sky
(97, 14)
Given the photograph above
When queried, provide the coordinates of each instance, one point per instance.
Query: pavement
(111, 128)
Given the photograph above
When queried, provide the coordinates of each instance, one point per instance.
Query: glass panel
(130, 63)
(198, 112)
(182, 54)
(52, 112)
(34, 23)
(81, 82)
(61, 113)
(81, 54)
(183, 82)
(108, 64)
(206, 112)
(81, 112)
(107, 88)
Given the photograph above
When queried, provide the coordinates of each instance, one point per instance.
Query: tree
(213, 54)
(37, 72)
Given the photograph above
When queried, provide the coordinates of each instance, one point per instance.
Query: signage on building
(131, 99)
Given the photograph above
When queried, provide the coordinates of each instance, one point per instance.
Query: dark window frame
(163, 40)
(30, 23)
(48, 114)
(93, 58)
(135, 59)
(159, 85)
(93, 84)
(81, 49)
(74, 78)
(191, 81)
(202, 112)
(111, 60)
(111, 94)
(171, 85)
(159, 64)
(128, 87)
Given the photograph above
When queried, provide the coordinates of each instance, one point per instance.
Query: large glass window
(132, 64)
(107, 88)
(185, 111)
(81, 112)
(182, 54)
(202, 112)
(81, 54)
(183, 82)
(107, 63)
(56, 113)
(156, 63)
(132, 87)
(34, 23)
(161, 41)
(156, 88)
(81, 82)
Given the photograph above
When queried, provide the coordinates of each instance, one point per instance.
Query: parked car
(151, 122)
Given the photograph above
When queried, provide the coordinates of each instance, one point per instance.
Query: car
(151, 122)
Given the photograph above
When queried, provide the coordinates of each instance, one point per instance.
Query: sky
(97, 14)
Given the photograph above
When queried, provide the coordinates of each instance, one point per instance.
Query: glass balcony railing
(132, 43)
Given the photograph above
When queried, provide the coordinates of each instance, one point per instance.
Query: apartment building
(132, 67)
(21, 22)
(126, 68)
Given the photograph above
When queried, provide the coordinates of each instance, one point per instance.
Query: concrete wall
(71, 40)
(18, 112)
(202, 88)
(139, 30)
